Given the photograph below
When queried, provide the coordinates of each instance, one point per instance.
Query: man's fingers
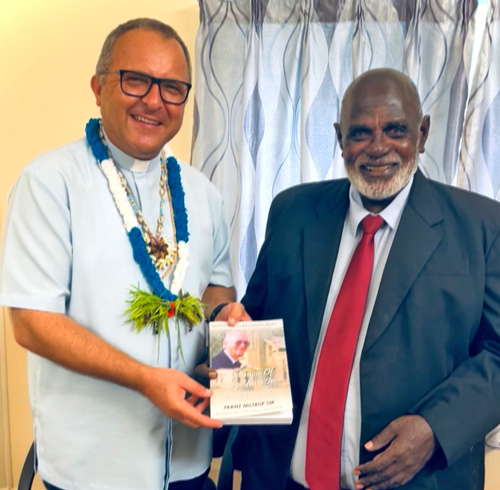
(205, 373)
(201, 404)
(375, 470)
(381, 440)
(189, 410)
(167, 389)
(407, 443)
(195, 388)
(234, 313)
(193, 418)
(381, 475)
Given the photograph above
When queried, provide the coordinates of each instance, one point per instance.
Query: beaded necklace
(146, 308)
(162, 253)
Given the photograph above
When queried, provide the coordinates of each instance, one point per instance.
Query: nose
(378, 146)
(153, 97)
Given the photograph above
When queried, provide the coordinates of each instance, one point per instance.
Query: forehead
(234, 336)
(151, 52)
(386, 100)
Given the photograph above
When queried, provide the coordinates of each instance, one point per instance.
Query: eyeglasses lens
(138, 85)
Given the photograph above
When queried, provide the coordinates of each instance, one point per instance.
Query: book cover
(252, 384)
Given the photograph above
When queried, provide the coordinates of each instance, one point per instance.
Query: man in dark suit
(424, 388)
(234, 346)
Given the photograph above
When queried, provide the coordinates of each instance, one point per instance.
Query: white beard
(381, 188)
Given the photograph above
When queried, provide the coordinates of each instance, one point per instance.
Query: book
(252, 384)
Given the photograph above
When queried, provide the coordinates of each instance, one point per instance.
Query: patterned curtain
(270, 76)
(479, 168)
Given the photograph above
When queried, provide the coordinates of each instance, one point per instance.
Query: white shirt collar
(127, 162)
(391, 214)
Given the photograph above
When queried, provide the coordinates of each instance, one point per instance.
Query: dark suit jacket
(433, 341)
(222, 361)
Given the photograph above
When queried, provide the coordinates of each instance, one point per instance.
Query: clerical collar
(127, 162)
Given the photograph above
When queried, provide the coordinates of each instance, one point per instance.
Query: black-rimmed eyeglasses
(137, 84)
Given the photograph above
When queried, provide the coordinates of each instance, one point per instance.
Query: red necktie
(326, 414)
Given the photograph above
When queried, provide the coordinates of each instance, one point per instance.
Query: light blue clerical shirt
(66, 251)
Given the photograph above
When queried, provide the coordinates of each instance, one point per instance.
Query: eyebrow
(402, 125)
(358, 127)
(396, 125)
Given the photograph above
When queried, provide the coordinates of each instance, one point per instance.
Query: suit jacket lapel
(413, 245)
(321, 243)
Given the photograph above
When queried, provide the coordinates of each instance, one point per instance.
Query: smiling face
(141, 126)
(235, 344)
(381, 133)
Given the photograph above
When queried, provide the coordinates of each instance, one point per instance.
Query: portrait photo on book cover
(233, 348)
(252, 371)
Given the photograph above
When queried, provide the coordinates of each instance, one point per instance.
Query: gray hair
(165, 30)
(233, 335)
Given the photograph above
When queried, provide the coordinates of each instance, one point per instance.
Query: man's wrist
(216, 311)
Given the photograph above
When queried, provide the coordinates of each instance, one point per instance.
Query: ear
(424, 132)
(96, 86)
(338, 132)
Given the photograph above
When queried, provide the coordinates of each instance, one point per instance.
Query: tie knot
(371, 224)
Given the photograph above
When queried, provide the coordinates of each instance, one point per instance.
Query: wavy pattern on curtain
(270, 75)
(479, 168)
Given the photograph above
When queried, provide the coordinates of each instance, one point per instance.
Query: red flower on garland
(171, 311)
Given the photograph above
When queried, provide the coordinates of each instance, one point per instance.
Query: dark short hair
(165, 30)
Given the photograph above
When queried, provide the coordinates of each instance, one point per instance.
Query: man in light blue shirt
(114, 408)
